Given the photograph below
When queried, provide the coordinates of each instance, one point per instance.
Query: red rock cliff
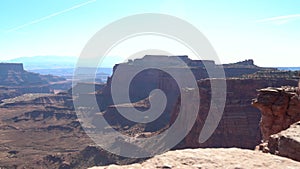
(239, 126)
(280, 107)
(280, 122)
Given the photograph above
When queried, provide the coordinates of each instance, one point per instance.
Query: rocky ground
(210, 158)
(35, 127)
(286, 143)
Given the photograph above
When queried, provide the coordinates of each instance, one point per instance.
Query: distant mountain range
(46, 62)
(57, 62)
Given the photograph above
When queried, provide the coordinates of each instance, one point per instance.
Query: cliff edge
(280, 122)
(212, 158)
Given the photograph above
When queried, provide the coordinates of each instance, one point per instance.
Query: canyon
(42, 129)
(239, 125)
(15, 81)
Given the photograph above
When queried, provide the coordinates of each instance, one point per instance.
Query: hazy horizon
(69, 62)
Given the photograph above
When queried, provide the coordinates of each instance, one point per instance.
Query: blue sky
(266, 31)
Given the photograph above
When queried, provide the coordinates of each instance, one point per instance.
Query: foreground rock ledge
(280, 122)
(286, 143)
(213, 158)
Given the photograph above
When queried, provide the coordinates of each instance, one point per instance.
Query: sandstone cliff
(15, 81)
(280, 108)
(286, 143)
(239, 125)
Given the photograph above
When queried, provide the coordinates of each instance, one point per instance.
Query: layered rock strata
(286, 143)
(280, 109)
(239, 125)
(15, 81)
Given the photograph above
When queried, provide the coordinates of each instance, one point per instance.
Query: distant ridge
(45, 62)
(57, 62)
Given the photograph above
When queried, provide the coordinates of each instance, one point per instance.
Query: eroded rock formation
(239, 126)
(15, 81)
(6, 67)
(280, 109)
(39, 131)
(286, 143)
(43, 131)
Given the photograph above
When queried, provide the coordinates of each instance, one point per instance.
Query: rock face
(6, 67)
(239, 126)
(15, 81)
(197, 66)
(286, 143)
(13, 75)
(212, 158)
(243, 68)
(280, 108)
(149, 79)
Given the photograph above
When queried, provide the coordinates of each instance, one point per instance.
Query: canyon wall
(239, 126)
(15, 81)
(280, 107)
(5, 67)
(149, 79)
(280, 127)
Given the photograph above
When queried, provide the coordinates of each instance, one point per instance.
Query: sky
(266, 31)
